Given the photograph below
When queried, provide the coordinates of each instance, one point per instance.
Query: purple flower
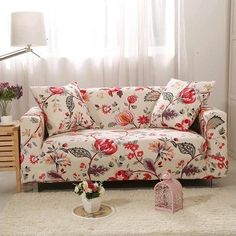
(4, 85)
(19, 91)
(10, 92)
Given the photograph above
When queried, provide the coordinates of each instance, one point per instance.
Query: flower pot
(91, 205)
(6, 120)
(5, 107)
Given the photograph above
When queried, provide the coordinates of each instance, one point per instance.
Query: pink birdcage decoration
(168, 194)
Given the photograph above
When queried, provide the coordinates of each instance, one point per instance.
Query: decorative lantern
(168, 194)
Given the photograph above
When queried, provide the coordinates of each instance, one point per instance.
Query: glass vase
(5, 110)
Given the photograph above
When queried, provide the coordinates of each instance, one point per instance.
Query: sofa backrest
(126, 107)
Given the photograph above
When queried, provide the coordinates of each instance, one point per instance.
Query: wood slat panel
(7, 154)
(7, 158)
(9, 151)
(7, 168)
(7, 148)
(6, 138)
(5, 133)
(7, 163)
(6, 143)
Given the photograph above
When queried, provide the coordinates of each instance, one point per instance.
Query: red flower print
(181, 163)
(143, 120)
(147, 176)
(34, 159)
(204, 147)
(21, 158)
(134, 147)
(208, 177)
(82, 165)
(106, 146)
(124, 118)
(57, 90)
(188, 95)
(139, 88)
(131, 155)
(64, 145)
(113, 90)
(221, 160)
(140, 153)
(220, 165)
(184, 125)
(131, 146)
(122, 175)
(106, 109)
(42, 176)
(45, 117)
(132, 99)
(84, 94)
(186, 122)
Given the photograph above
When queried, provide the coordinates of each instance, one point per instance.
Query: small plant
(90, 189)
(7, 94)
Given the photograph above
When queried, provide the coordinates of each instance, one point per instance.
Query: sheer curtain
(94, 42)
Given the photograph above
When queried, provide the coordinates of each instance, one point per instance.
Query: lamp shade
(27, 28)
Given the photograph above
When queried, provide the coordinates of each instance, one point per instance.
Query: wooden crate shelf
(9, 151)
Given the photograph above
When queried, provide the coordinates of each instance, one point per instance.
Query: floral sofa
(122, 145)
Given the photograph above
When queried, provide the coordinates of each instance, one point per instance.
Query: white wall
(207, 44)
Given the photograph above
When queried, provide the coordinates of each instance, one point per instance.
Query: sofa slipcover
(124, 147)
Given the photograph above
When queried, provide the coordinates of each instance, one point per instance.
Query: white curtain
(94, 42)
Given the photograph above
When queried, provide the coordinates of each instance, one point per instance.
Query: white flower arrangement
(90, 189)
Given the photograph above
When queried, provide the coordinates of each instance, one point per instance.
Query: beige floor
(7, 183)
(7, 187)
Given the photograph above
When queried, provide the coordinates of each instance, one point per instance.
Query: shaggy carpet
(207, 211)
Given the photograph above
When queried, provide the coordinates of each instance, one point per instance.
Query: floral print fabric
(123, 154)
(120, 155)
(179, 104)
(121, 108)
(63, 107)
(213, 126)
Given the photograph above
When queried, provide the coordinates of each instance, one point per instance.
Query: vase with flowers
(91, 194)
(7, 94)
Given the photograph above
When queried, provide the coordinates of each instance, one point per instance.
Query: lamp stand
(18, 52)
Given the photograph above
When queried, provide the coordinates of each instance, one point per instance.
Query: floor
(7, 183)
(7, 187)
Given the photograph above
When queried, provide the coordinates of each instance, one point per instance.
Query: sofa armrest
(32, 129)
(213, 127)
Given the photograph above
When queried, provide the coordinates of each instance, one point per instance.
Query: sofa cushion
(63, 107)
(179, 104)
(122, 155)
(126, 107)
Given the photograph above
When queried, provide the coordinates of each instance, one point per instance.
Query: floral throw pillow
(63, 107)
(179, 104)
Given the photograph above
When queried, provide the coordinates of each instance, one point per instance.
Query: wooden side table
(9, 151)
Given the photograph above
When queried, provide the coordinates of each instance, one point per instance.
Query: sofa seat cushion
(122, 155)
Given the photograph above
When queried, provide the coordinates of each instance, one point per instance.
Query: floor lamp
(27, 30)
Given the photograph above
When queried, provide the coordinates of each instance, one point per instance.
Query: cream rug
(207, 211)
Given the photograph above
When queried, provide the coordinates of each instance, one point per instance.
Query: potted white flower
(91, 194)
(7, 94)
